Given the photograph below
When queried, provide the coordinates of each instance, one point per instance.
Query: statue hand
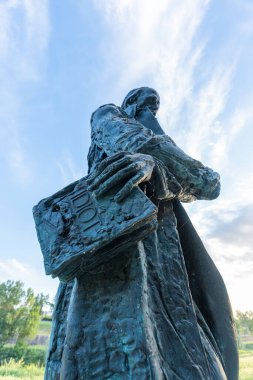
(126, 169)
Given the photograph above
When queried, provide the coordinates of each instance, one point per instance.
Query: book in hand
(78, 232)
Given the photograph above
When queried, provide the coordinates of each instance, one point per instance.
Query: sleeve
(196, 180)
(176, 174)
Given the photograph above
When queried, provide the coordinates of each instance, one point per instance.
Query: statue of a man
(159, 310)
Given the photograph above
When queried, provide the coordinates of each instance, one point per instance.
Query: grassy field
(246, 365)
(17, 370)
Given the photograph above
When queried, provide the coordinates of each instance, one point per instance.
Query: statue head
(104, 112)
(140, 98)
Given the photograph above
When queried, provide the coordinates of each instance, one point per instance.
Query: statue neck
(146, 118)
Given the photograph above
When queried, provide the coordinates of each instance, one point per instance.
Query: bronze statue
(140, 298)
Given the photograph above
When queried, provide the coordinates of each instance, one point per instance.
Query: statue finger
(102, 165)
(117, 178)
(106, 162)
(110, 171)
(134, 182)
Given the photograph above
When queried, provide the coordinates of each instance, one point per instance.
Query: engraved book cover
(77, 231)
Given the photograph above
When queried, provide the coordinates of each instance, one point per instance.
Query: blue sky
(60, 60)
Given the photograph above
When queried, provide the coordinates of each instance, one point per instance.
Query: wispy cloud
(70, 172)
(9, 269)
(159, 44)
(17, 157)
(227, 133)
(225, 227)
(236, 265)
(154, 41)
(24, 33)
(232, 224)
(24, 38)
(205, 108)
(13, 269)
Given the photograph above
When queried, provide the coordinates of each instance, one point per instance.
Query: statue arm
(174, 175)
(196, 180)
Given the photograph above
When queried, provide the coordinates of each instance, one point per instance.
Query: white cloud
(155, 39)
(9, 269)
(24, 33)
(13, 150)
(235, 263)
(206, 106)
(227, 135)
(225, 227)
(157, 43)
(13, 269)
(68, 168)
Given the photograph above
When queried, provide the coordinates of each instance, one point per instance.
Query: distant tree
(20, 312)
(244, 325)
(244, 322)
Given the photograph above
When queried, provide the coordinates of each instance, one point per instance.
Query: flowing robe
(160, 310)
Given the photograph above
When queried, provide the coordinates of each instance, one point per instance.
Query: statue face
(148, 98)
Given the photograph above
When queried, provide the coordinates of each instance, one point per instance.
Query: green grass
(18, 370)
(29, 355)
(14, 370)
(246, 364)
